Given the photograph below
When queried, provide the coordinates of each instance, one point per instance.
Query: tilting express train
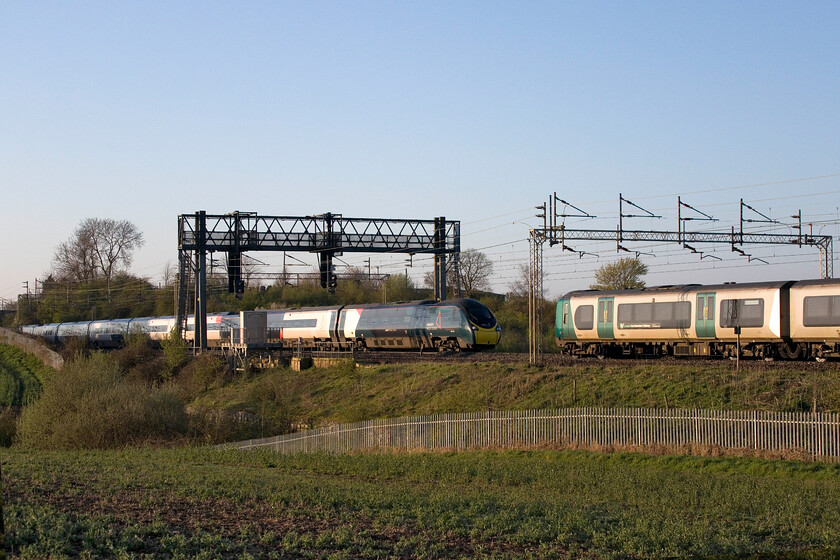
(789, 320)
(457, 324)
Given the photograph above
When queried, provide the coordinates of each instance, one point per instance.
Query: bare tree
(624, 274)
(168, 273)
(519, 288)
(475, 270)
(99, 248)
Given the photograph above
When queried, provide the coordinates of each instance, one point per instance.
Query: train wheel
(792, 351)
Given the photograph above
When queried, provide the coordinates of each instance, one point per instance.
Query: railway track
(561, 360)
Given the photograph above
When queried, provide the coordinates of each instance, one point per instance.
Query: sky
(476, 111)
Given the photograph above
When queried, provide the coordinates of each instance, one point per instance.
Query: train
(785, 319)
(455, 324)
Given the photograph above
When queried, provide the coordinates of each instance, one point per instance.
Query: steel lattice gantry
(327, 234)
(558, 235)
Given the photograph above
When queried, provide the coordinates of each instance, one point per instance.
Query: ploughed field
(203, 503)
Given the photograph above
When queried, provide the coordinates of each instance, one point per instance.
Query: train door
(417, 330)
(705, 319)
(605, 317)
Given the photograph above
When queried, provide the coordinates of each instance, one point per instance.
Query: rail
(812, 435)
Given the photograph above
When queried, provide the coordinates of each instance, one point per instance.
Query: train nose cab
(485, 327)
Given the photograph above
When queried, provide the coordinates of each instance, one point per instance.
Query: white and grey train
(458, 324)
(788, 320)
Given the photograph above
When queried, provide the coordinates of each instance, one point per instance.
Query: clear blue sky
(476, 111)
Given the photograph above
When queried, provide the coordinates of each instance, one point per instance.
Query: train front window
(480, 315)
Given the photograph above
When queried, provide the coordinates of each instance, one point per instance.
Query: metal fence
(814, 435)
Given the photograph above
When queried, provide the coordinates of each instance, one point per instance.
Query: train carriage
(682, 320)
(815, 319)
(310, 327)
(108, 334)
(459, 324)
(66, 331)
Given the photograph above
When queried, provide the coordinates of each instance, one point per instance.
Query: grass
(347, 394)
(21, 376)
(200, 503)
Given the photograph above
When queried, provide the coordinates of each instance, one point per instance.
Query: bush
(92, 405)
(205, 372)
(74, 347)
(176, 351)
(140, 362)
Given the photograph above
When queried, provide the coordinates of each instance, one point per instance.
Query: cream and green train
(789, 320)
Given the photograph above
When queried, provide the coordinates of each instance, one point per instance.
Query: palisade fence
(814, 435)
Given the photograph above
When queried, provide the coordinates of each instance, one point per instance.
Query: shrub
(92, 405)
(205, 372)
(141, 362)
(74, 347)
(176, 351)
(136, 337)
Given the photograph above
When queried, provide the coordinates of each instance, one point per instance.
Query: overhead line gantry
(328, 234)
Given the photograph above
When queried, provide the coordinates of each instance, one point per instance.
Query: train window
(480, 315)
(296, 323)
(705, 309)
(821, 311)
(585, 317)
(742, 313)
(449, 317)
(660, 315)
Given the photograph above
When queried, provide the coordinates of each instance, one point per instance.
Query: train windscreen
(480, 315)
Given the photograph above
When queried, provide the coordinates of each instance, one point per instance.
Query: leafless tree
(475, 270)
(99, 248)
(519, 287)
(168, 273)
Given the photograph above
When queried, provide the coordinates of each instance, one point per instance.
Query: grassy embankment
(348, 394)
(21, 376)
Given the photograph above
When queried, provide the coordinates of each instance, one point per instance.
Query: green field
(199, 503)
(154, 502)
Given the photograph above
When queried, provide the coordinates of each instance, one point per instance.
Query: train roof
(677, 288)
(416, 303)
(818, 282)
